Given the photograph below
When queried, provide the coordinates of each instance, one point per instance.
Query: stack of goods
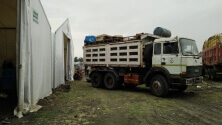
(104, 38)
(212, 41)
(136, 37)
(90, 39)
(205, 45)
(108, 38)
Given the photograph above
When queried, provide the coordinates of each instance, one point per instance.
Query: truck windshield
(188, 47)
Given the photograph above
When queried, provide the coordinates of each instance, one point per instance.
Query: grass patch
(49, 115)
(84, 104)
(140, 109)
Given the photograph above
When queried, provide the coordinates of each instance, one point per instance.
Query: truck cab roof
(163, 39)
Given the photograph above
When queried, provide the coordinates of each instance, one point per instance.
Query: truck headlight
(183, 74)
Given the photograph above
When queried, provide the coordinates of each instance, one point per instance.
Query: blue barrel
(90, 39)
(162, 32)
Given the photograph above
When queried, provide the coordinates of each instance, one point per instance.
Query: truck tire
(97, 80)
(182, 88)
(110, 81)
(159, 86)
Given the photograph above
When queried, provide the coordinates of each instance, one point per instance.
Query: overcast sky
(196, 19)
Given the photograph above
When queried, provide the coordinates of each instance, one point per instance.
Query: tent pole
(18, 37)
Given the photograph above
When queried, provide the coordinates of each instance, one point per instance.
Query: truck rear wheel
(159, 86)
(110, 81)
(97, 80)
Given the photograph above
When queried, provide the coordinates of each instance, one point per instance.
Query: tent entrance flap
(66, 55)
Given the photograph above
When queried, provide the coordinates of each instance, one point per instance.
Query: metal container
(162, 32)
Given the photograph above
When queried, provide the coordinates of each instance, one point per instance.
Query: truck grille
(193, 71)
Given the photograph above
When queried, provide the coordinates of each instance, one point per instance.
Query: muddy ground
(84, 104)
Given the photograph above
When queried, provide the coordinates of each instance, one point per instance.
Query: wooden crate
(108, 38)
(102, 37)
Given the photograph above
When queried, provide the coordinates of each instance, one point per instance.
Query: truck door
(157, 57)
(171, 59)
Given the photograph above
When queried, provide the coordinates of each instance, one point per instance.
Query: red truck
(212, 57)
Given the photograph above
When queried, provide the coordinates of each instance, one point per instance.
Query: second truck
(212, 57)
(160, 63)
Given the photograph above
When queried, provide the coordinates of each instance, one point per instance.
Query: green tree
(78, 59)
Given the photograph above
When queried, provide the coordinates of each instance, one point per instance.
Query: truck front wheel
(159, 86)
(110, 81)
(97, 80)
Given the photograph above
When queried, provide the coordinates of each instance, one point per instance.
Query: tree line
(78, 59)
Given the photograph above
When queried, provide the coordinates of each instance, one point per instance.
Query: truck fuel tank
(132, 79)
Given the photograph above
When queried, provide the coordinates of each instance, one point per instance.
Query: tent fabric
(35, 62)
(39, 56)
(56, 23)
(61, 32)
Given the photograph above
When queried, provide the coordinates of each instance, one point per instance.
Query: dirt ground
(84, 104)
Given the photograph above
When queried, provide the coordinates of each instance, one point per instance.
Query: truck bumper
(192, 81)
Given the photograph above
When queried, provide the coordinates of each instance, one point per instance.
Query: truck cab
(177, 61)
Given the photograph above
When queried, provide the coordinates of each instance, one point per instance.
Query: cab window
(157, 49)
(170, 48)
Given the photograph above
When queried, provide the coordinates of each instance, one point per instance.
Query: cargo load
(212, 56)
(90, 39)
(109, 38)
(212, 41)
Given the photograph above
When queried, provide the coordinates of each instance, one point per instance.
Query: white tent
(63, 50)
(25, 40)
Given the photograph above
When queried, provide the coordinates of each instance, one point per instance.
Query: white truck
(160, 63)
